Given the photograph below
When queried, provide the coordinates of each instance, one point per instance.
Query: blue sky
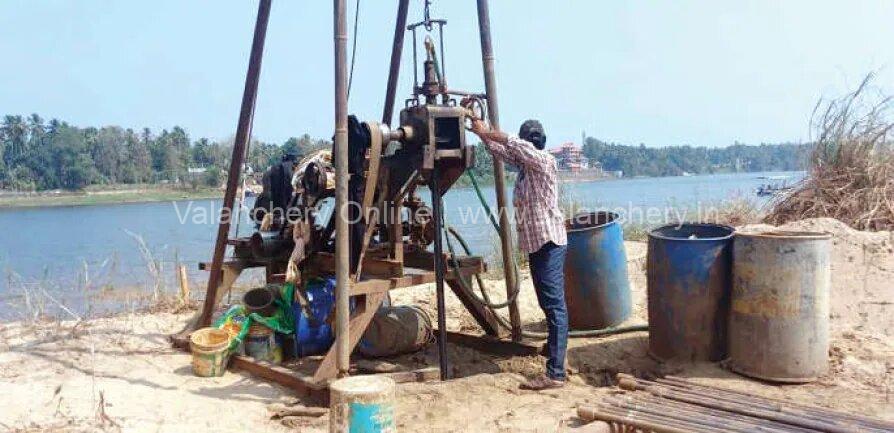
(681, 72)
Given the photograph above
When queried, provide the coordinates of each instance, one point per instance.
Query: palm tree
(15, 134)
(35, 126)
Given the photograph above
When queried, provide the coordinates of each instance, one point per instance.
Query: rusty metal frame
(340, 149)
(337, 361)
(490, 85)
(243, 135)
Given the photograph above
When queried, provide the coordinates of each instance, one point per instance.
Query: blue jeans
(547, 270)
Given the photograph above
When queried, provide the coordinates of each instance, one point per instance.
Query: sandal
(541, 383)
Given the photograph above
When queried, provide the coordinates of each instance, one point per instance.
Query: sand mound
(862, 298)
(60, 377)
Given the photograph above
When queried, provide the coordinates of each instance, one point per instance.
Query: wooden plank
(230, 273)
(235, 263)
(371, 223)
(422, 259)
(383, 267)
(395, 372)
(429, 374)
(395, 218)
(302, 385)
(493, 345)
(411, 277)
(373, 267)
(396, 230)
(482, 315)
(356, 326)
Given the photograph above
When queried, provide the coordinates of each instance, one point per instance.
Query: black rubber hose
(484, 299)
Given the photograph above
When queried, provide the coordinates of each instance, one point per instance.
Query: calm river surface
(61, 253)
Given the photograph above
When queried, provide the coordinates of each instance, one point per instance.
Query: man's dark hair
(532, 131)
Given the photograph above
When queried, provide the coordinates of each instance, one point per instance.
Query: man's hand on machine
(479, 127)
(488, 133)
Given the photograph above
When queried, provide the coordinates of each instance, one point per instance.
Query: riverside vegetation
(851, 176)
(39, 155)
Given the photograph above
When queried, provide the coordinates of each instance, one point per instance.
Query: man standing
(541, 233)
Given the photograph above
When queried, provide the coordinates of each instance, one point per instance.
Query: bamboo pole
(184, 284)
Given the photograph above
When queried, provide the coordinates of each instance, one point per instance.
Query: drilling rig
(381, 234)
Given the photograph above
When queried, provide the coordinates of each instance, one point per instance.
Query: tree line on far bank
(36, 154)
(676, 160)
(40, 155)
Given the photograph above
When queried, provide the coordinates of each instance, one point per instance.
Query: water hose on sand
(485, 299)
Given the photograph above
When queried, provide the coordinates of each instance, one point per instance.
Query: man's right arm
(500, 150)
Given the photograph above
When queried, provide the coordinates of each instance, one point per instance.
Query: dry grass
(733, 212)
(40, 300)
(852, 166)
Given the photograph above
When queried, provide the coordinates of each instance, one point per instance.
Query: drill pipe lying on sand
(676, 405)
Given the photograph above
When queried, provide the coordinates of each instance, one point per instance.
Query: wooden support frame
(483, 316)
(371, 293)
(304, 386)
(383, 275)
(356, 326)
(230, 272)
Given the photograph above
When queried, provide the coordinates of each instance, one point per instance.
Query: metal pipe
(415, 67)
(609, 415)
(638, 417)
(673, 394)
(824, 426)
(342, 246)
(694, 414)
(775, 404)
(721, 395)
(437, 211)
(443, 58)
(397, 48)
(674, 406)
(490, 86)
(719, 402)
(243, 134)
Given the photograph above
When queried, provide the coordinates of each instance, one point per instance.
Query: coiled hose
(485, 301)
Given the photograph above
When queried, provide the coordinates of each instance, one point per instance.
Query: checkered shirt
(538, 218)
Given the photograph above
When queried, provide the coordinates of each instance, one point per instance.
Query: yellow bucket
(209, 351)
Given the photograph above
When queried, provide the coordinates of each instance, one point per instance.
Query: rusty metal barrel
(688, 275)
(597, 290)
(779, 320)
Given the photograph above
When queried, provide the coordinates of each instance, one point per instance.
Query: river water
(58, 255)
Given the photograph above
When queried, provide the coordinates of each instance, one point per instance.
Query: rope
(353, 47)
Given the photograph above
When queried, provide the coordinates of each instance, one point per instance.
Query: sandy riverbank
(97, 196)
(120, 374)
